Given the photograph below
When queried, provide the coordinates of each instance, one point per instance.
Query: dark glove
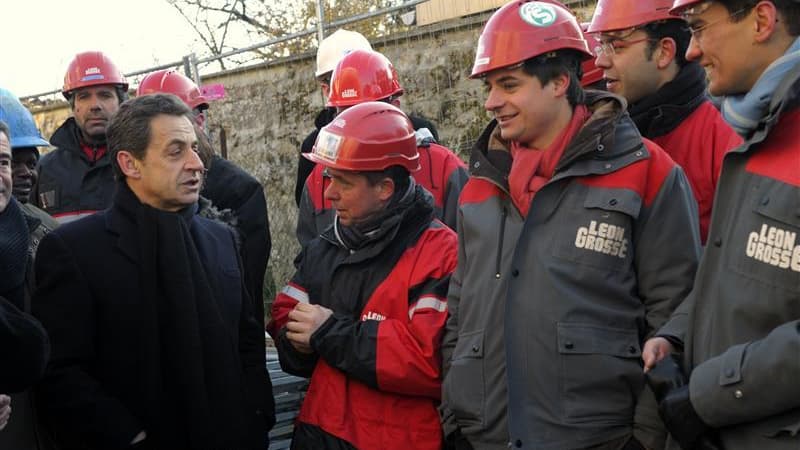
(681, 419)
(671, 388)
(456, 441)
(667, 375)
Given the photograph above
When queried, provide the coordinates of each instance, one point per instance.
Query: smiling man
(25, 143)
(577, 239)
(155, 342)
(364, 312)
(642, 53)
(740, 327)
(76, 179)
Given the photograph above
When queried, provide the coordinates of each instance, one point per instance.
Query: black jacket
(230, 187)
(70, 185)
(90, 299)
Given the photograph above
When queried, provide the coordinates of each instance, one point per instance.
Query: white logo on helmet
(538, 14)
(349, 93)
(92, 71)
(327, 146)
(481, 60)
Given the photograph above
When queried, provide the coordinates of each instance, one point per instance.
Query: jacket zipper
(500, 243)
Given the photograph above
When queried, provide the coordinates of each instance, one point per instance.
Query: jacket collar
(786, 97)
(67, 137)
(663, 111)
(120, 220)
(607, 142)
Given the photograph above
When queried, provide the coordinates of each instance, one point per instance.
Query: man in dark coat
(75, 179)
(156, 345)
(23, 342)
(226, 185)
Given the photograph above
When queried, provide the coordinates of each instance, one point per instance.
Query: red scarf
(93, 153)
(533, 168)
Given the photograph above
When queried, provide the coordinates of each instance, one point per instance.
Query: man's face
(324, 81)
(5, 171)
(92, 108)
(199, 117)
(524, 109)
(353, 198)
(626, 67)
(719, 44)
(23, 172)
(171, 174)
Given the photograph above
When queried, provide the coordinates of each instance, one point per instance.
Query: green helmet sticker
(538, 14)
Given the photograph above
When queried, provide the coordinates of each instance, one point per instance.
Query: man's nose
(195, 164)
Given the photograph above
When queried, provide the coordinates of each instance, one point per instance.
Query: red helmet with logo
(370, 136)
(90, 69)
(591, 73)
(522, 30)
(610, 15)
(171, 81)
(363, 76)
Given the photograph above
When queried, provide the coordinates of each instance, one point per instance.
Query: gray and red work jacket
(741, 324)
(548, 313)
(376, 367)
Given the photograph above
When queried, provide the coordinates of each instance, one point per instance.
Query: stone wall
(270, 108)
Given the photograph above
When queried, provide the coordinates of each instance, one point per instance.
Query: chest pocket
(766, 243)
(600, 234)
(49, 196)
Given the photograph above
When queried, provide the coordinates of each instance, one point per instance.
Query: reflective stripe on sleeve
(427, 303)
(295, 293)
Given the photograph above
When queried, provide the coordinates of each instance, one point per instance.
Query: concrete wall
(269, 109)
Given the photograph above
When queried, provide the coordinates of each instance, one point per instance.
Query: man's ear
(665, 52)
(387, 189)
(128, 164)
(560, 84)
(765, 19)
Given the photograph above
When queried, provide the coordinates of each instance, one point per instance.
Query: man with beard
(642, 52)
(76, 180)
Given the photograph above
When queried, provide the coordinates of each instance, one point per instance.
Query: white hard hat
(335, 46)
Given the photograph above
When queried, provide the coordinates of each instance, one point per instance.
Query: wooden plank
(434, 11)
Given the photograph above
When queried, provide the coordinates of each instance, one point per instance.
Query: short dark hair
(5, 130)
(398, 174)
(789, 11)
(670, 28)
(129, 128)
(122, 96)
(551, 65)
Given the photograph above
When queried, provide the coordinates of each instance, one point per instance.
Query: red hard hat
(90, 69)
(522, 30)
(370, 136)
(680, 5)
(591, 73)
(170, 81)
(610, 15)
(363, 76)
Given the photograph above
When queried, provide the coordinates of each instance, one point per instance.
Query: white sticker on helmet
(327, 146)
(538, 14)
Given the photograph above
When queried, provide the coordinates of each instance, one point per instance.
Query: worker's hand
(304, 320)
(655, 349)
(5, 410)
(141, 436)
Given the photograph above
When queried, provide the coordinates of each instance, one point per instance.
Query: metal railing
(190, 63)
